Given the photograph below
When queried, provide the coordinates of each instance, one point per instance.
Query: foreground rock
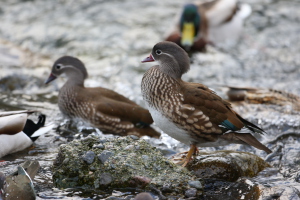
(19, 185)
(121, 162)
(226, 165)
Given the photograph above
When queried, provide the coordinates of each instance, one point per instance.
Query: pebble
(104, 156)
(99, 146)
(105, 179)
(195, 184)
(191, 192)
(89, 157)
(134, 137)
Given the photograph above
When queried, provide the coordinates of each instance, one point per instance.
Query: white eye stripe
(169, 55)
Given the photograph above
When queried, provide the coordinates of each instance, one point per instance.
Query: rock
(241, 189)
(226, 165)
(104, 156)
(143, 196)
(192, 192)
(144, 168)
(89, 157)
(195, 184)
(19, 186)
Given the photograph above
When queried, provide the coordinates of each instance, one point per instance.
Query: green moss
(130, 163)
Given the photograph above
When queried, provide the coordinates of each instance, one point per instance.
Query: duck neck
(172, 69)
(76, 79)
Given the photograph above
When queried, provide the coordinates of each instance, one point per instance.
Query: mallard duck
(17, 132)
(217, 22)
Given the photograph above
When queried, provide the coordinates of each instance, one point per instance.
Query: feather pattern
(102, 108)
(191, 112)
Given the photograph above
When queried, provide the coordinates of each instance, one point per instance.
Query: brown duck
(101, 107)
(190, 112)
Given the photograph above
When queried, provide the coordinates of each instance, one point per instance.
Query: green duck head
(189, 25)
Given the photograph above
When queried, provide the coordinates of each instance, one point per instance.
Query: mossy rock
(227, 165)
(119, 162)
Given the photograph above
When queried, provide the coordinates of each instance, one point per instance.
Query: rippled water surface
(112, 37)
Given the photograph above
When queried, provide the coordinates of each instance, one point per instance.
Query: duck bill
(51, 78)
(188, 34)
(148, 59)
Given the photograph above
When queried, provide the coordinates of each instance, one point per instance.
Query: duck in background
(217, 22)
(102, 108)
(18, 133)
(263, 96)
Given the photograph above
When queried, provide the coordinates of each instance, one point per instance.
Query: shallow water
(112, 37)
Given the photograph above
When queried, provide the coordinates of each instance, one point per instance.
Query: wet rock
(226, 165)
(89, 157)
(242, 189)
(104, 156)
(118, 167)
(192, 192)
(143, 196)
(19, 186)
(195, 184)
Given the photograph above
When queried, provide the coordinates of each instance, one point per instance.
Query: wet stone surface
(121, 167)
(226, 165)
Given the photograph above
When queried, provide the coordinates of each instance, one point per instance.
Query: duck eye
(58, 66)
(158, 52)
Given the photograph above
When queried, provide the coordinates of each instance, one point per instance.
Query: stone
(192, 192)
(89, 157)
(145, 168)
(104, 156)
(227, 165)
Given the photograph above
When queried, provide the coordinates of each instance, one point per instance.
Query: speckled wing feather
(116, 105)
(211, 113)
(124, 111)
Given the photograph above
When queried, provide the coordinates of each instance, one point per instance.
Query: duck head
(172, 59)
(72, 67)
(189, 25)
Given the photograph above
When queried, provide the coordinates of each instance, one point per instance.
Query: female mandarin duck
(190, 112)
(218, 22)
(102, 108)
(17, 132)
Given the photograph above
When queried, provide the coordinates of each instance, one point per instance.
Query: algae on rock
(120, 162)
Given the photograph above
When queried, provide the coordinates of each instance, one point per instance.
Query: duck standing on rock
(218, 22)
(190, 112)
(101, 107)
(18, 133)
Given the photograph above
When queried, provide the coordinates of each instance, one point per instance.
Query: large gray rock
(123, 162)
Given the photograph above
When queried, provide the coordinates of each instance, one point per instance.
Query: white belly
(181, 135)
(169, 127)
(13, 143)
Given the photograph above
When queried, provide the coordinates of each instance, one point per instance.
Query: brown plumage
(190, 112)
(101, 107)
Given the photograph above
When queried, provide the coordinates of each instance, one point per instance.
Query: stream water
(112, 37)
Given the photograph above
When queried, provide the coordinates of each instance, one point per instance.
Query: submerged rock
(227, 165)
(123, 162)
(19, 184)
